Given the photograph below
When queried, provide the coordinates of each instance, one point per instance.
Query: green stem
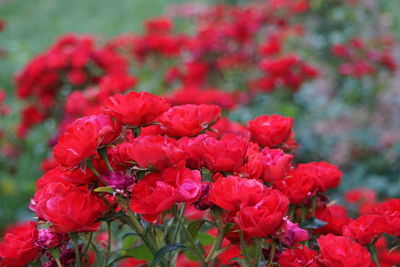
(258, 244)
(215, 246)
(243, 245)
(93, 169)
(75, 238)
(189, 236)
(88, 244)
(55, 253)
(271, 253)
(372, 250)
(175, 234)
(108, 251)
(313, 206)
(103, 154)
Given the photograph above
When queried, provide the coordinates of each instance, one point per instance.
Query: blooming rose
(276, 164)
(297, 185)
(336, 218)
(261, 215)
(136, 108)
(340, 251)
(107, 129)
(299, 257)
(365, 228)
(151, 196)
(390, 213)
(327, 175)
(229, 192)
(189, 120)
(270, 131)
(157, 151)
(227, 154)
(17, 248)
(76, 144)
(290, 233)
(69, 208)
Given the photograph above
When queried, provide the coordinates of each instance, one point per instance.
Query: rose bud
(49, 239)
(203, 202)
(118, 179)
(290, 233)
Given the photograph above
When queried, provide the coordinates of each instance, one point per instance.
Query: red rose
(17, 248)
(261, 215)
(189, 120)
(158, 151)
(276, 164)
(228, 192)
(69, 208)
(76, 144)
(227, 154)
(327, 175)
(297, 186)
(270, 131)
(340, 251)
(187, 183)
(299, 257)
(151, 196)
(136, 108)
(336, 218)
(365, 228)
(107, 129)
(390, 213)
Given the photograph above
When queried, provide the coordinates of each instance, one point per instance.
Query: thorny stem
(75, 238)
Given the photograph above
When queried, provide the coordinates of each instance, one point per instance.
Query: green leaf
(164, 250)
(205, 239)
(129, 241)
(312, 223)
(107, 189)
(141, 253)
(194, 227)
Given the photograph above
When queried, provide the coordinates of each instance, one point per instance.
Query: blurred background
(345, 100)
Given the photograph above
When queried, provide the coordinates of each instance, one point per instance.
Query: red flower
(152, 195)
(107, 129)
(227, 154)
(17, 248)
(327, 175)
(271, 131)
(157, 151)
(136, 108)
(189, 120)
(365, 228)
(76, 144)
(276, 164)
(297, 186)
(340, 251)
(69, 208)
(390, 213)
(260, 215)
(336, 218)
(229, 192)
(290, 233)
(299, 257)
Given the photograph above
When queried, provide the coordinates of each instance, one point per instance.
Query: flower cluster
(73, 62)
(361, 58)
(170, 172)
